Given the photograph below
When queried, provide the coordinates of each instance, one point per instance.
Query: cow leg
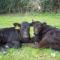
(15, 44)
(3, 49)
(43, 44)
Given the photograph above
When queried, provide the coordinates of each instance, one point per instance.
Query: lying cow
(37, 34)
(25, 32)
(49, 36)
(10, 37)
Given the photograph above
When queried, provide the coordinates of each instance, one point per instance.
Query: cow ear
(44, 24)
(16, 24)
(32, 23)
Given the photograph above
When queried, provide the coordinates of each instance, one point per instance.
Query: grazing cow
(10, 37)
(25, 32)
(50, 37)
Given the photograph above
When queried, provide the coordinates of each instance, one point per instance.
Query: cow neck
(46, 29)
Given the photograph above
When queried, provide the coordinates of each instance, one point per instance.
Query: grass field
(26, 52)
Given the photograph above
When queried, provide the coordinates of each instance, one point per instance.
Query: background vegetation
(24, 6)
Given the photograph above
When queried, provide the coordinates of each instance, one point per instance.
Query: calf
(37, 34)
(50, 37)
(10, 37)
(25, 32)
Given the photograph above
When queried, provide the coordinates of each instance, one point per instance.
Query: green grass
(27, 52)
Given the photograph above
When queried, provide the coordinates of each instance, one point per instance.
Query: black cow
(25, 32)
(50, 37)
(37, 34)
(10, 37)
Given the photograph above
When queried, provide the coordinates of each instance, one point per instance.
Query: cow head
(37, 26)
